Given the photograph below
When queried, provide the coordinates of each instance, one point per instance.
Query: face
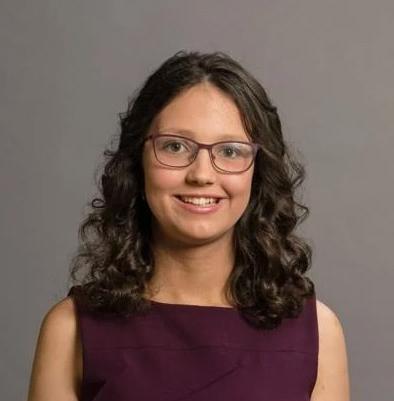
(206, 114)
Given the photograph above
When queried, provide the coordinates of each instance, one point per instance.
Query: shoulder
(62, 313)
(332, 377)
(60, 323)
(327, 318)
(331, 332)
(57, 365)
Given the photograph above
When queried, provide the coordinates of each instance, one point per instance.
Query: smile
(199, 205)
(198, 201)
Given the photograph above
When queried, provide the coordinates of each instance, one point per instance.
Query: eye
(229, 151)
(174, 146)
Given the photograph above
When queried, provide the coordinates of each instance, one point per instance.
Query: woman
(195, 285)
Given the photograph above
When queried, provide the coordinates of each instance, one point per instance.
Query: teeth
(199, 201)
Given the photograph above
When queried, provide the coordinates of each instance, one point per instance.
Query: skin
(332, 382)
(193, 254)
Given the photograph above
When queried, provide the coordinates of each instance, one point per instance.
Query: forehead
(202, 112)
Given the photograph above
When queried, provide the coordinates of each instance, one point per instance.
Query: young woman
(194, 285)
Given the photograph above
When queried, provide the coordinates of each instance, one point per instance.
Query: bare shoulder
(327, 318)
(332, 377)
(62, 313)
(57, 365)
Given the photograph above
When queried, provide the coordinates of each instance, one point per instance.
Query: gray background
(67, 69)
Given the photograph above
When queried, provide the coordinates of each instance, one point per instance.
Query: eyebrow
(230, 137)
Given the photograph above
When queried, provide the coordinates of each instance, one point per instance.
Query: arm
(57, 364)
(332, 381)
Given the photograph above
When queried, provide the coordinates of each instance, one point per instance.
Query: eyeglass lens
(179, 152)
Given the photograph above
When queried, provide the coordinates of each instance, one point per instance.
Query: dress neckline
(191, 306)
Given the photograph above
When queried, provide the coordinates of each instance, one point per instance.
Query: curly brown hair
(267, 282)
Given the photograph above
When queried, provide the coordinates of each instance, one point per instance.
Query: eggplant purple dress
(197, 353)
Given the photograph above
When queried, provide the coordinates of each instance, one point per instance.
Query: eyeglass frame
(255, 148)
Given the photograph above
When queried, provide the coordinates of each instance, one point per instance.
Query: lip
(201, 196)
(199, 209)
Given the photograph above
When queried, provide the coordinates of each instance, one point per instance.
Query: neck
(191, 274)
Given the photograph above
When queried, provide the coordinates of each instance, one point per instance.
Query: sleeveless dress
(182, 352)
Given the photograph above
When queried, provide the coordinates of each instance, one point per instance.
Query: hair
(267, 282)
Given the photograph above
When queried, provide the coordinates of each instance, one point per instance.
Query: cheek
(158, 178)
(239, 187)
(162, 180)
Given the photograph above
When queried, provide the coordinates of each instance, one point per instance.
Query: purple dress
(197, 353)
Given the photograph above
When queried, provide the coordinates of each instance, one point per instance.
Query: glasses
(227, 156)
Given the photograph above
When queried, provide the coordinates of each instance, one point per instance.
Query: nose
(201, 170)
